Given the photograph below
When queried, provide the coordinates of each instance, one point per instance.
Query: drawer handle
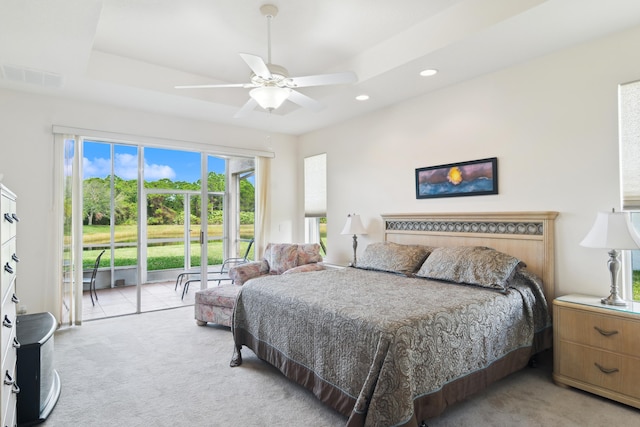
(16, 343)
(8, 268)
(15, 389)
(15, 299)
(6, 322)
(8, 218)
(605, 333)
(15, 217)
(15, 258)
(8, 380)
(606, 370)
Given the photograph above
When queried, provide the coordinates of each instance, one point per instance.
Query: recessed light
(362, 97)
(428, 72)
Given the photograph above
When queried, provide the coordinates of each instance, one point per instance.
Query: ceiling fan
(271, 85)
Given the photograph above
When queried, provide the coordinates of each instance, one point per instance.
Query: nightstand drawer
(598, 330)
(600, 368)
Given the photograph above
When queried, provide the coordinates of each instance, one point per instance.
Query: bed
(387, 348)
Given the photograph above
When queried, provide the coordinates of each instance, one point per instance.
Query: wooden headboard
(528, 236)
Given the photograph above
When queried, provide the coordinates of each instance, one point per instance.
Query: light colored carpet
(160, 369)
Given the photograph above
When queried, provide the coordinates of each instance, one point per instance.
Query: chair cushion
(309, 253)
(281, 257)
(219, 296)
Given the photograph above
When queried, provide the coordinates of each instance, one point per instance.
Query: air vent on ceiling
(31, 76)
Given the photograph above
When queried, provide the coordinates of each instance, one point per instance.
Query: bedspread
(384, 349)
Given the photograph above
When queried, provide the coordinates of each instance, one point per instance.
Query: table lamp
(354, 226)
(612, 231)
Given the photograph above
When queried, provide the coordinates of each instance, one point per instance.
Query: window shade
(315, 186)
(629, 100)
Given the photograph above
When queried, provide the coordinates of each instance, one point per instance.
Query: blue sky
(158, 163)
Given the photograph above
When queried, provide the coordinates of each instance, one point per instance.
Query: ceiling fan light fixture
(270, 97)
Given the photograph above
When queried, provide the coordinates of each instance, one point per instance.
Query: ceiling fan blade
(257, 65)
(324, 79)
(305, 101)
(246, 109)
(245, 85)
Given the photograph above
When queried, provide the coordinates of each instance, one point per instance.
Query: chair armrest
(232, 262)
(240, 274)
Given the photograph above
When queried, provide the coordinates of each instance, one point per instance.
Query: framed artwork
(473, 178)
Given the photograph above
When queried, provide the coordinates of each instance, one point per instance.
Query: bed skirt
(425, 407)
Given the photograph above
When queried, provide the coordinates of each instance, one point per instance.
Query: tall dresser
(9, 342)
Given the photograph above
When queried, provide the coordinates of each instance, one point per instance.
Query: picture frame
(471, 178)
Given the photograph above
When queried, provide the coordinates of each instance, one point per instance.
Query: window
(634, 260)
(242, 178)
(149, 211)
(152, 209)
(629, 110)
(315, 200)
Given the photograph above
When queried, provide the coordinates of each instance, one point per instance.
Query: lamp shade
(611, 230)
(353, 225)
(270, 97)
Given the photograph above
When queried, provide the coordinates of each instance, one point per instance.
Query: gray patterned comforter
(385, 349)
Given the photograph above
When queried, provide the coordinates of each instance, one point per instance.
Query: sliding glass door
(150, 214)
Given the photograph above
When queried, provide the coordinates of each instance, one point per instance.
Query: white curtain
(262, 220)
(67, 218)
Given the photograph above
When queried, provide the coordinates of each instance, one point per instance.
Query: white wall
(551, 122)
(26, 160)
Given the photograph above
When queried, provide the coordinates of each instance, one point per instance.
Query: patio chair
(216, 274)
(91, 281)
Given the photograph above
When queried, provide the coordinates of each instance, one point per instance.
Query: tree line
(162, 209)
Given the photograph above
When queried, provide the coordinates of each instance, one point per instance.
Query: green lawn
(159, 257)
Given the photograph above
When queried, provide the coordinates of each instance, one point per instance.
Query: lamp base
(613, 300)
(355, 248)
(614, 269)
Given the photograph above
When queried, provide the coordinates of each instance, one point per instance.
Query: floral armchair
(280, 258)
(216, 304)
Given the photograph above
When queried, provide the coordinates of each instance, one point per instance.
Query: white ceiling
(131, 53)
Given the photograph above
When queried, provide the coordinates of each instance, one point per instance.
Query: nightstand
(597, 347)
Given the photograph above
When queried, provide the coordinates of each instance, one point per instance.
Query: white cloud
(98, 167)
(155, 172)
(125, 167)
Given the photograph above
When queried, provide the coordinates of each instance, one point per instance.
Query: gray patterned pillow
(393, 257)
(473, 265)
